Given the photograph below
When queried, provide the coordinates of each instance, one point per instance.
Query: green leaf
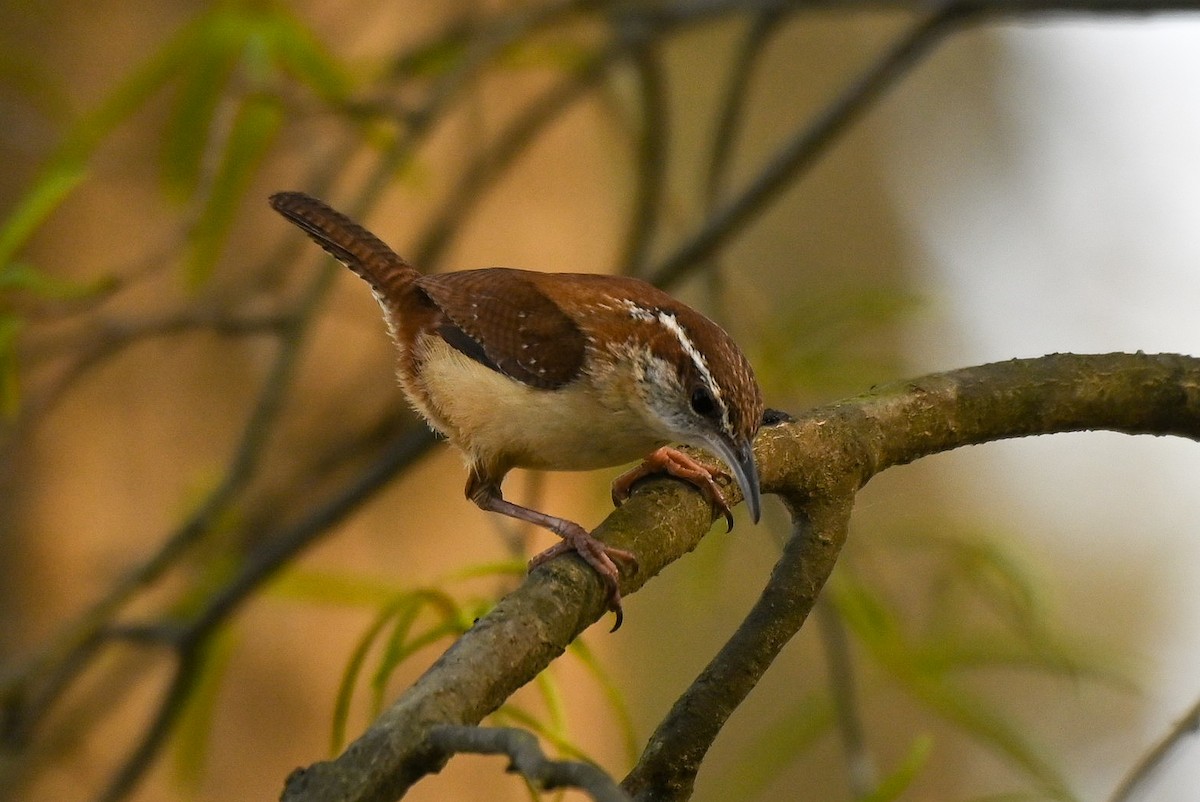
(828, 341)
(616, 700)
(358, 657)
(896, 783)
(56, 182)
(558, 54)
(68, 166)
(332, 588)
(302, 54)
(435, 59)
(556, 711)
(10, 376)
(500, 568)
(990, 572)
(1036, 653)
(21, 277)
(452, 620)
(258, 120)
(192, 734)
(863, 611)
(564, 747)
(973, 716)
(191, 120)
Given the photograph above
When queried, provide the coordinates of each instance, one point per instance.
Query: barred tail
(346, 241)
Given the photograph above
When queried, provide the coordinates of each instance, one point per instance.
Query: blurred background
(187, 387)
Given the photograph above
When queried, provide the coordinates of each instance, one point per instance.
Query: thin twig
(276, 551)
(732, 116)
(651, 160)
(802, 151)
(173, 702)
(730, 122)
(527, 759)
(491, 163)
(1154, 758)
(59, 661)
(860, 766)
(667, 768)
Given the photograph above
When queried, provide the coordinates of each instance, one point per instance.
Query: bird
(557, 371)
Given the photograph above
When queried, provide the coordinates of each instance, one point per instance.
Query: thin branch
(96, 346)
(861, 776)
(505, 649)
(192, 637)
(61, 661)
(673, 756)
(527, 759)
(1156, 756)
(897, 424)
(802, 151)
(730, 122)
(172, 704)
(732, 116)
(276, 551)
(651, 159)
(490, 164)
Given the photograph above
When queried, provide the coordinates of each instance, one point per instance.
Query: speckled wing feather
(521, 332)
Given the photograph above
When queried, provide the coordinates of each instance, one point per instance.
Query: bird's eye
(703, 403)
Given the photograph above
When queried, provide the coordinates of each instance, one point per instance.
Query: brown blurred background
(833, 288)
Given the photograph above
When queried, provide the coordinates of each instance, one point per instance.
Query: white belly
(493, 418)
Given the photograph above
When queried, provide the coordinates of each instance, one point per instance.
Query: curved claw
(678, 464)
(603, 559)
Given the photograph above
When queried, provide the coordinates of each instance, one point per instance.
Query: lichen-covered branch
(816, 463)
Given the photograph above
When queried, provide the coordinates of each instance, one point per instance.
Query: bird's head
(698, 387)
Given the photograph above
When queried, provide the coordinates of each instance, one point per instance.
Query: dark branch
(803, 150)
(1152, 761)
(527, 759)
(861, 776)
(668, 767)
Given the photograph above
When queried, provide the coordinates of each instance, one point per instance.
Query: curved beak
(740, 459)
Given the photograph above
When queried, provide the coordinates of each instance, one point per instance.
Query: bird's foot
(603, 559)
(674, 462)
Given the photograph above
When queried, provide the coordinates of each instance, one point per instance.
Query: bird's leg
(485, 492)
(674, 462)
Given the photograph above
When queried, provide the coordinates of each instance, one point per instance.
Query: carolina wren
(556, 371)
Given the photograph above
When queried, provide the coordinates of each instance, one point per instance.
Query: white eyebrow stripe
(640, 312)
(671, 323)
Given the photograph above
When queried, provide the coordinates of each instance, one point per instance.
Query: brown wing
(501, 319)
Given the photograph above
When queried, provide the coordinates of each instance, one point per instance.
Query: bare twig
(674, 753)
(651, 161)
(802, 151)
(190, 638)
(527, 759)
(732, 116)
(490, 164)
(860, 766)
(1154, 758)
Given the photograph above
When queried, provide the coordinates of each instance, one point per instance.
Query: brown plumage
(557, 371)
